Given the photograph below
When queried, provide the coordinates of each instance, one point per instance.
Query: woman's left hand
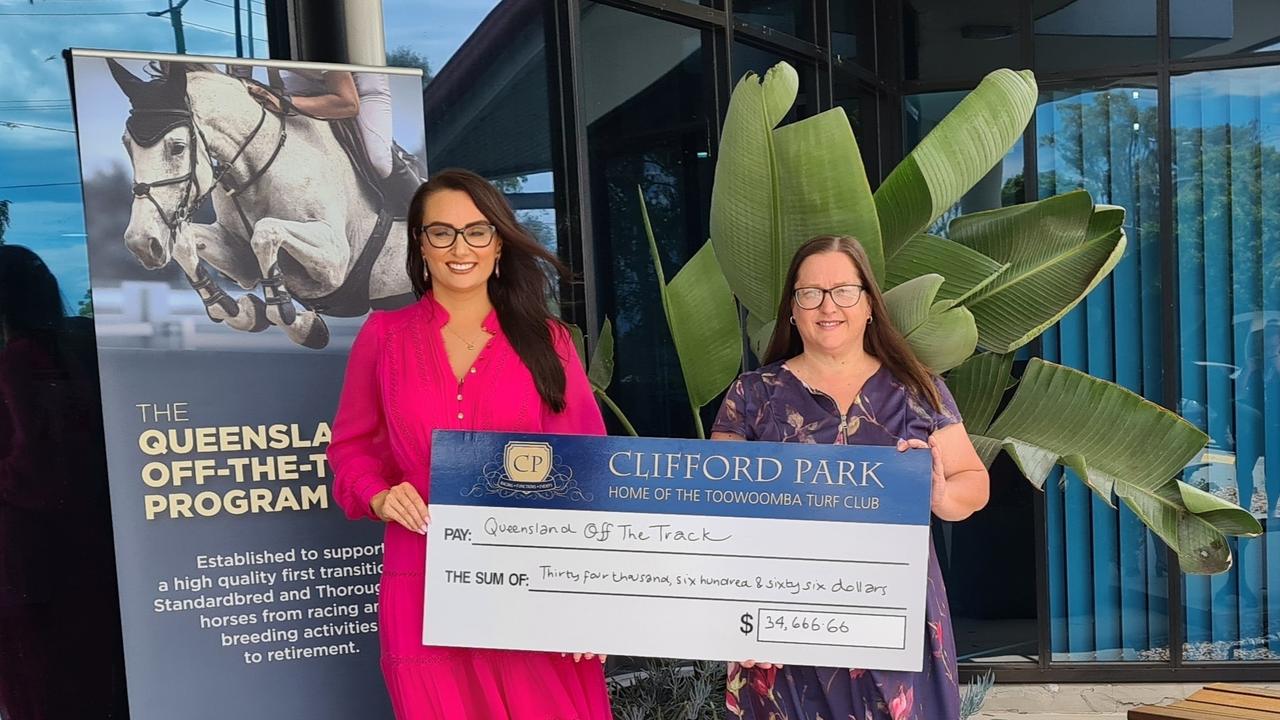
(939, 477)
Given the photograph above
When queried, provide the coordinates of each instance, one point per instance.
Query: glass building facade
(1169, 108)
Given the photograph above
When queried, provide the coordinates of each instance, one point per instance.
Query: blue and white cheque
(790, 553)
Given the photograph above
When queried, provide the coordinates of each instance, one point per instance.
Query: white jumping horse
(292, 214)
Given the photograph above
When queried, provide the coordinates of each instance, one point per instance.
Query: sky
(39, 169)
(39, 172)
(432, 28)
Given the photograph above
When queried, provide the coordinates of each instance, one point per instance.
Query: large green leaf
(1059, 411)
(1219, 512)
(774, 189)
(759, 334)
(579, 344)
(978, 385)
(746, 222)
(1057, 251)
(823, 188)
(703, 320)
(600, 371)
(1118, 443)
(966, 270)
(941, 334)
(952, 158)
(1198, 538)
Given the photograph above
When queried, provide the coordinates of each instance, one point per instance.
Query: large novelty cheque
(790, 553)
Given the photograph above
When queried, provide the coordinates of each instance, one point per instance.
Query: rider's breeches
(375, 119)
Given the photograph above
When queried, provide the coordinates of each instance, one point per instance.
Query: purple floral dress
(774, 405)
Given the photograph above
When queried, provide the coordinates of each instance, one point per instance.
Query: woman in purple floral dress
(836, 371)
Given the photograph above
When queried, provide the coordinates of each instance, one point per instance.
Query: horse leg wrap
(213, 296)
(276, 294)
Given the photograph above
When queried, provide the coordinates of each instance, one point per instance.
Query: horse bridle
(189, 204)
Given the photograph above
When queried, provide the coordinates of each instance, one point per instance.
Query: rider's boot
(405, 179)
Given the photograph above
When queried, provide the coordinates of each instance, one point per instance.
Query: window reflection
(994, 547)
(1108, 576)
(793, 17)
(1226, 139)
(646, 104)
(60, 644)
(1201, 28)
(1075, 34)
(486, 97)
(946, 40)
(853, 31)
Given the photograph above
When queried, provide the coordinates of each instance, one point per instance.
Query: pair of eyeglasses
(845, 296)
(442, 235)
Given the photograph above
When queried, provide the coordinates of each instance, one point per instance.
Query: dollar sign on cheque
(746, 626)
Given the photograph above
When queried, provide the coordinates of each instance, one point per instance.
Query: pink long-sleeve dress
(400, 387)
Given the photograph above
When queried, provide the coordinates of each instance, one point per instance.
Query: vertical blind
(1108, 580)
(1226, 129)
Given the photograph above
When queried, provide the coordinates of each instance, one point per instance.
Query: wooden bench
(1219, 701)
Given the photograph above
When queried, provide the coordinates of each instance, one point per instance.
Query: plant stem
(617, 412)
(697, 421)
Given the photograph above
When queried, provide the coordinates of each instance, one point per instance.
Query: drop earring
(497, 266)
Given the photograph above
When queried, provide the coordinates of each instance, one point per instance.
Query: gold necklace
(470, 345)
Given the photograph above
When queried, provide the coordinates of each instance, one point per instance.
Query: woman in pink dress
(478, 351)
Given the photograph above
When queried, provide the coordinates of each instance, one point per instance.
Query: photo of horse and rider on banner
(244, 206)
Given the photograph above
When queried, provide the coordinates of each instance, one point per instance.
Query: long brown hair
(520, 295)
(881, 340)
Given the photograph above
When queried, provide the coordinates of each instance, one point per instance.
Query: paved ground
(1078, 702)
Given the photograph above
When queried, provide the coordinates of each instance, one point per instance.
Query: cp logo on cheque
(527, 463)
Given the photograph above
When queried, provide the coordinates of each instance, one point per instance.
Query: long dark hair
(881, 340)
(520, 296)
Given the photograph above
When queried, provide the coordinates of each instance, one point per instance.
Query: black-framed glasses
(443, 235)
(845, 296)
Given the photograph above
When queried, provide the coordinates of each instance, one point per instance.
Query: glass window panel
(646, 103)
(859, 103)
(1204, 28)
(853, 32)
(793, 17)
(1075, 34)
(60, 642)
(946, 40)
(995, 547)
(1226, 140)
(1108, 576)
(487, 110)
(749, 58)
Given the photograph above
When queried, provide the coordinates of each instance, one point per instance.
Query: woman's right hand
(266, 98)
(402, 504)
